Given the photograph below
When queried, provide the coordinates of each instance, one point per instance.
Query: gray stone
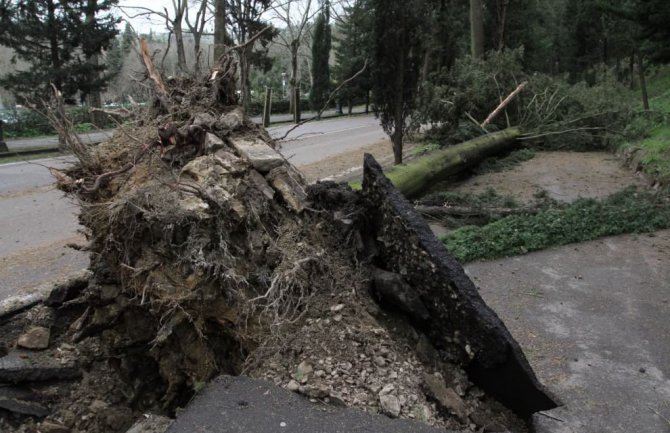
(293, 385)
(231, 120)
(204, 119)
(291, 190)
(68, 289)
(390, 405)
(315, 391)
(446, 397)
(23, 366)
(21, 401)
(53, 427)
(213, 143)
(425, 351)
(259, 154)
(393, 291)
(36, 338)
(259, 182)
(150, 423)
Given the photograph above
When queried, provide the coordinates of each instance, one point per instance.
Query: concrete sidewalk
(593, 320)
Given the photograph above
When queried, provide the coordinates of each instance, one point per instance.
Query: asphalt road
(37, 221)
(98, 136)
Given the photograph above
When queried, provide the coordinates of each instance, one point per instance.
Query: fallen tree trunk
(416, 176)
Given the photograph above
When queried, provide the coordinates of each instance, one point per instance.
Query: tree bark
(94, 98)
(179, 35)
(643, 80)
(219, 29)
(421, 173)
(476, 28)
(293, 81)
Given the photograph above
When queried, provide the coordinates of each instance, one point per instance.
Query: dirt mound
(211, 255)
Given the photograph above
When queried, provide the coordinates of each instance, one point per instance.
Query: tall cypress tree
(398, 54)
(352, 49)
(56, 40)
(321, 45)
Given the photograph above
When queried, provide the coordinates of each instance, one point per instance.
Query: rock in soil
(36, 338)
(21, 401)
(22, 366)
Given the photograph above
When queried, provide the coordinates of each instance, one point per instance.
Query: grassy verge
(628, 211)
(30, 157)
(651, 152)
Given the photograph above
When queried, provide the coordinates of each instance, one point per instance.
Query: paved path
(38, 222)
(243, 405)
(593, 320)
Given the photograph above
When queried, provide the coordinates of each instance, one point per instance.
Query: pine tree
(57, 40)
(352, 49)
(321, 44)
(398, 54)
(118, 50)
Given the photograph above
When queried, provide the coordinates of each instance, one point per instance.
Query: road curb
(40, 293)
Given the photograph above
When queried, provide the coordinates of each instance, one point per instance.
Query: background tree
(321, 44)
(295, 16)
(353, 46)
(476, 28)
(56, 39)
(197, 29)
(245, 19)
(118, 51)
(398, 30)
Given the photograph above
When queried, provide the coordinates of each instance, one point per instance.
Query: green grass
(651, 133)
(628, 211)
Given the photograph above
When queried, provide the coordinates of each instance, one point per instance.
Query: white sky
(145, 23)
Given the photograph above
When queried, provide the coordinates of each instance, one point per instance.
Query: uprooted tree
(210, 254)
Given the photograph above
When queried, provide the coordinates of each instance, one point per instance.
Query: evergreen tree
(118, 50)
(321, 44)
(57, 40)
(352, 49)
(398, 54)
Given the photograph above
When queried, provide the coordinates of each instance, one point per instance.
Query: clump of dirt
(210, 255)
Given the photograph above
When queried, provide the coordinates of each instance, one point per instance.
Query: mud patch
(565, 176)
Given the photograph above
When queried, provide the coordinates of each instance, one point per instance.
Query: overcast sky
(145, 23)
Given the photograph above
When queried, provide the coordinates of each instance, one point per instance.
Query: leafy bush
(628, 211)
(559, 114)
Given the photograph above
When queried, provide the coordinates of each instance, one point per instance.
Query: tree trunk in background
(219, 28)
(179, 35)
(293, 82)
(643, 80)
(94, 98)
(631, 70)
(476, 28)
(244, 79)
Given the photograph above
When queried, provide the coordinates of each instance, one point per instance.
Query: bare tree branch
(330, 99)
